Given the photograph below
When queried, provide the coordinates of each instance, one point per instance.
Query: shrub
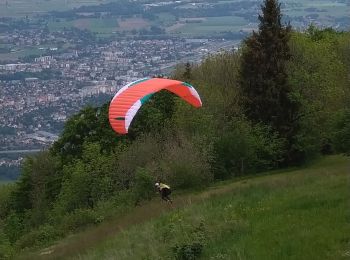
(233, 152)
(188, 251)
(143, 151)
(79, 219)
(39, 237)
(13, 226)
(269, 148)
(143, 188)
(6, 250)
(243, 148)
(183, 165)
(5, 193)
(76, 187)
(341, 135)
(192, 247)
(117, 204)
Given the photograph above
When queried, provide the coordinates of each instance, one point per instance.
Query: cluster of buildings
(68, 69)
(11, 162)
(28, 37)
(28, 107)
(57, 84)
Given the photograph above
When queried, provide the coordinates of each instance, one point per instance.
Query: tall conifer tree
(263, 78)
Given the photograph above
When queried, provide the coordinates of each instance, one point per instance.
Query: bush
(76, 189)
(143, 188)
(243, 148)
(341, 135)
(188, 251)
(13, 227)
(269, 148)
(79, 219)
(233, 152)
(191, 248)
(143, 152)
(6, 250)
(39, 237)
(119, 203)
(5, 193)
(183, 166)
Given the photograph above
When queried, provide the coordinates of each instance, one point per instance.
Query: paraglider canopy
(130, 98)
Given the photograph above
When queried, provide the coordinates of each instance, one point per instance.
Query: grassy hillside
(296, 214)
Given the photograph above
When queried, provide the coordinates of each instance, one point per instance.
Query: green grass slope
(298, 214)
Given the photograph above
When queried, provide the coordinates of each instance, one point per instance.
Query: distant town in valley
(59, 56)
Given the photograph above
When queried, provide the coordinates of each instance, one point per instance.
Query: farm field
(211, 25)
(300, 13)
(104, 25)
(18, 53)
(100, 25)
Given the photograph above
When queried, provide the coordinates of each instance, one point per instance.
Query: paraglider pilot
(164, 191)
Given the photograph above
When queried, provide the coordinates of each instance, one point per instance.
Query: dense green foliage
(341, 136)
(91, 173)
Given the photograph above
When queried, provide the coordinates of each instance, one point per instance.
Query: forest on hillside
(282, 100)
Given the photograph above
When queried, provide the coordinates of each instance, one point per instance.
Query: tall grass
(302, 214)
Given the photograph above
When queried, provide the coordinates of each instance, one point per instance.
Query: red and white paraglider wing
(130, 98)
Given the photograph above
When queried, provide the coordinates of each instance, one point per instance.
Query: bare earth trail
(78, 244)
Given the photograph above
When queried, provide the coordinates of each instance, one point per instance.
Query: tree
(154, 115)
(319, 75)
(187, 75)
(90, 124)
(341, 136)
(267, 96)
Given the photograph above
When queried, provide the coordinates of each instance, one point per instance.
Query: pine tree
(266, 93)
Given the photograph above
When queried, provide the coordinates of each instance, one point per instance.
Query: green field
(100, 25)
(327, 12)
(212, 25)
(21, 53)
(165, 19)
(105, 25)
(295, 214)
